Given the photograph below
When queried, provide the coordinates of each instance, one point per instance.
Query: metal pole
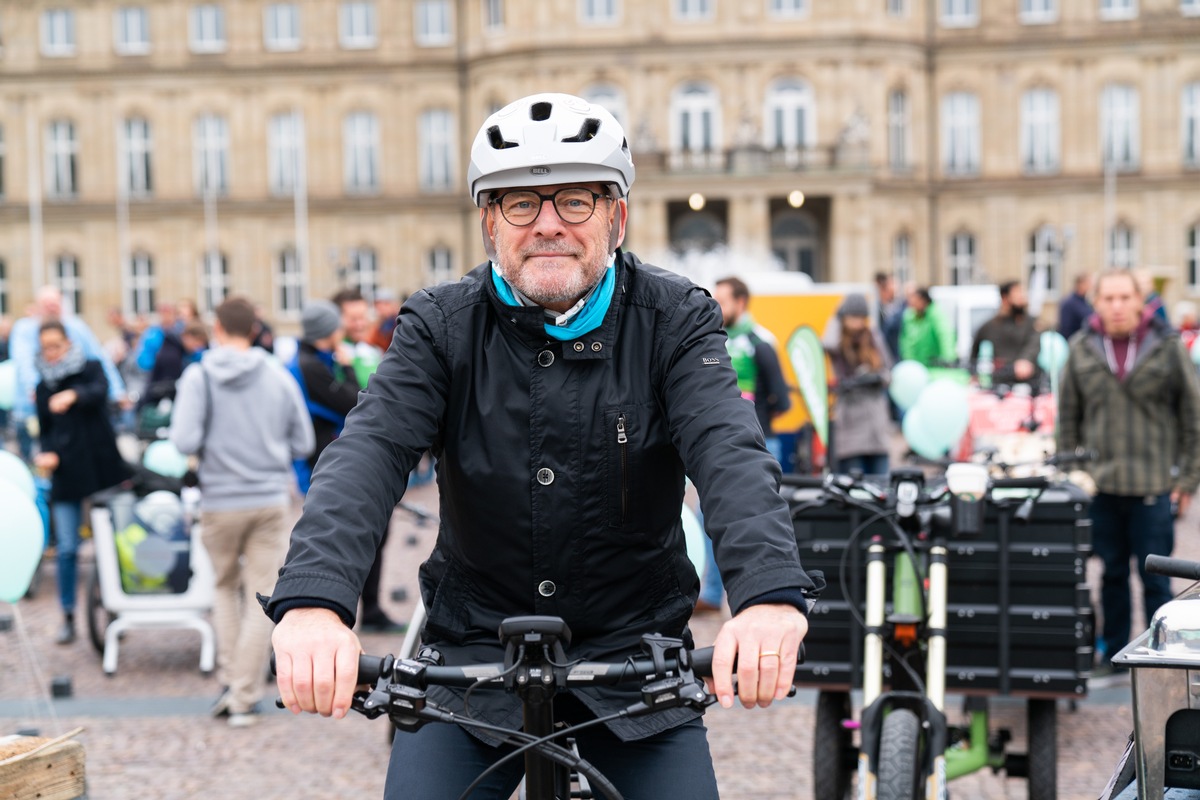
(37, 266)
(300, 202)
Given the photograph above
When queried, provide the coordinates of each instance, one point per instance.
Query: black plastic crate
(1019, 617)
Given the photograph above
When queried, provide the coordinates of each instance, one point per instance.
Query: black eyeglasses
(575, 205)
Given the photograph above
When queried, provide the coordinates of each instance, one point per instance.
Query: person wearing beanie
(323, 367)
(862, 425)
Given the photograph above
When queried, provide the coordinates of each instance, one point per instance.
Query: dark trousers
(371, 587)
(1123, 527)
(440, 761)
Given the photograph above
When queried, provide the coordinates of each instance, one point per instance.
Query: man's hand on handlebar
(316, 662)
(765, 639)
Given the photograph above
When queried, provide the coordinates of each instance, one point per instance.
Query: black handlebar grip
(369, 667)
(803, 481)
(702, 661)
(1173, 567)
(1031, 482)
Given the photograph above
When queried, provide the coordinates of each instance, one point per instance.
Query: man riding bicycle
(565, 389)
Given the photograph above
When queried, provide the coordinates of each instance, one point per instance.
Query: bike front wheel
(899, 750)
(831, 747)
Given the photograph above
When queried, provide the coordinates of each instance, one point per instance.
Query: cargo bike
(980, 593)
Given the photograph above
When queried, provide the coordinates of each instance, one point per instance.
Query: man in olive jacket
(1130, 393)
(565, 388)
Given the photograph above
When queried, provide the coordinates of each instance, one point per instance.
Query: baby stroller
(150, 572)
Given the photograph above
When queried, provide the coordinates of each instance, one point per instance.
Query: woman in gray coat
(860, 371)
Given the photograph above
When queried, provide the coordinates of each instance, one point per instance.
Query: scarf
(52, 374)
(569, 326)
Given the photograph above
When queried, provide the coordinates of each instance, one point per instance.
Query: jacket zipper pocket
(622, 444)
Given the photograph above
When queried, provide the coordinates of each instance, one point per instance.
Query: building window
(795, 242)
(1119, 126)
(960, 133)
(66, 278)
(1121, 247)
(211, 149)
(959, 13)
(131, 31)
(693, 9)
(790, 116)
(3, 162)
(136, 154)
(696, 119)
(1038, 12)
(599, 12)
(1190, 8)
(62, 159)
(962, 259)
(493, 15)
(788, 8)
(898, 120)
(58, 32)
(897, 8)
(214, 280)
(3, 288)
(281, 27)
(289, 283)
(1118, 9)
(435, 142)
(1191, 125)
(364, 272)
(902, 263)
(1193, 258)
(361, 133)
(356, 25)
(433, 24)
(284, 151)
(1043, 263)
(141, 284)
(206, 29)
(608, 97)
(440, 265)
(1039, 131)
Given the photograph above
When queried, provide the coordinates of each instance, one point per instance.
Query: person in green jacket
(925, 333)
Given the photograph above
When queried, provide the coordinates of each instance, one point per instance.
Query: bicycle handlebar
(1030, 482)
(1173, 567)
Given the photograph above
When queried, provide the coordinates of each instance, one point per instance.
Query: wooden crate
(46, 769)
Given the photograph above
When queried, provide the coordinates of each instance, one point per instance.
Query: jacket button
(597, 347)
(545, 358)
(546, 588)
(545, 476)
(579, 347)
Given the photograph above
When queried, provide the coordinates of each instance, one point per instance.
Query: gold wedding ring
(767, 653)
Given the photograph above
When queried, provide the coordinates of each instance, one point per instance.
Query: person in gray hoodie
(242, 412)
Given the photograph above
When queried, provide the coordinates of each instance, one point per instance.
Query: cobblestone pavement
(148, 734)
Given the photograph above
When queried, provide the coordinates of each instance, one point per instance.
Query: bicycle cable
(578, 762)
(490, 679)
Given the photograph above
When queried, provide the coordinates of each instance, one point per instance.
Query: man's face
(1119, 304)
(356, 319)
(731, 307)
(54, 345)
(1018, 300)
(918, 304)
(550, 261)
(887, 291)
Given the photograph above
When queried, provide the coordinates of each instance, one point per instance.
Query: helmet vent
(497, 140)
(540, 111)
(587, 131)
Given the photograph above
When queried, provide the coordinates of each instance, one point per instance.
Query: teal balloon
(163, 458)
(14, 471)
(1052, 356)
(918, 438)
(909, 378)
(21, 539)
(8, 384)
(944, 412)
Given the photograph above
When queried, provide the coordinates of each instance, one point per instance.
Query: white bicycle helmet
(546, 139)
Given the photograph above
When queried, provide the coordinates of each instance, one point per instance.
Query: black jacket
(561, 475)
(336, 389)
(83, 438)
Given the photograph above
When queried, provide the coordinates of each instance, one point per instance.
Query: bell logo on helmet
(539, 170)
